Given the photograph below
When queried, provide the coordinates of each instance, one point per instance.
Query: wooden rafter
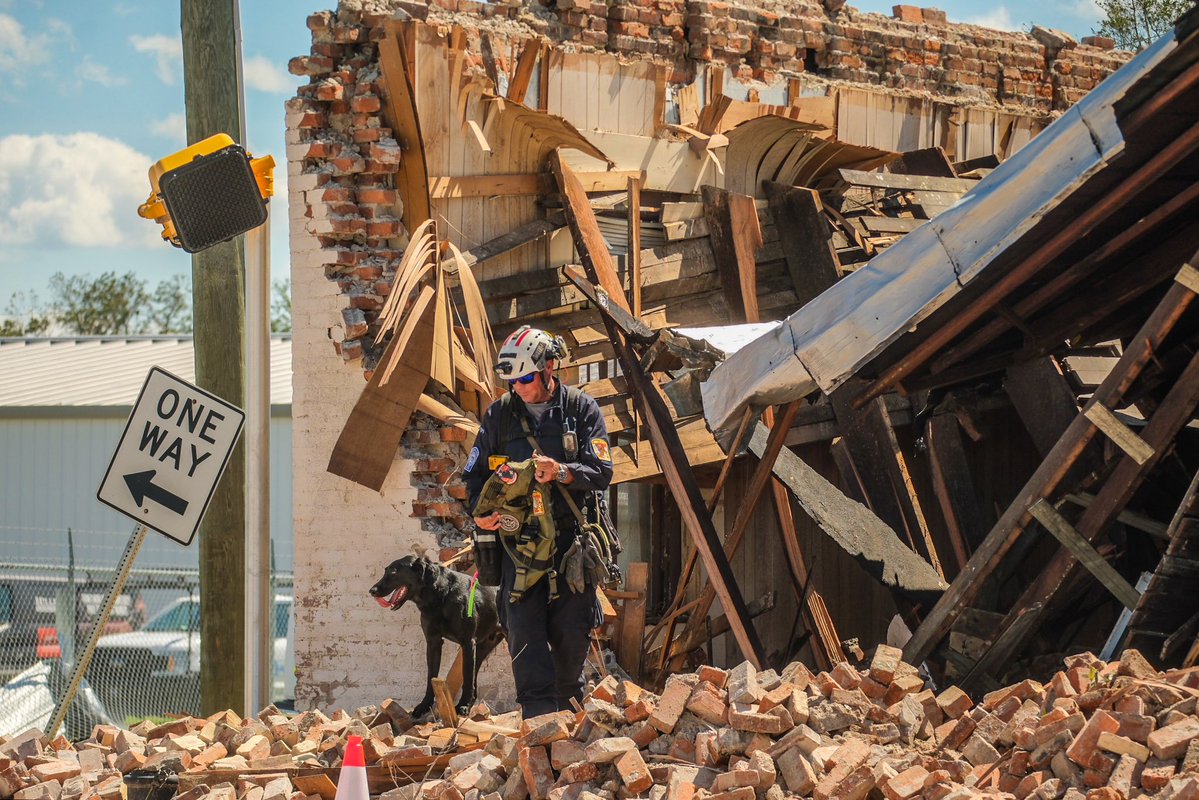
(664, 439)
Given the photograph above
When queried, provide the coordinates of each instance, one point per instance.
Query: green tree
(170, 307)
(281, 306)
(24, 317)
(1135, 24)
(106, 305)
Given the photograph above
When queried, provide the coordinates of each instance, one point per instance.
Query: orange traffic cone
(351, 781)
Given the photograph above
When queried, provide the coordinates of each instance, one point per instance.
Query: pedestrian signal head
(208, 193)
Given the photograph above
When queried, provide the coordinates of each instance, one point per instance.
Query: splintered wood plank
(1096, 564)
(806, 239)
(524, 70)
(445, 702)
(954, 486)
(412, 177)
(1134, 446)
(662, 434)
(513, 239)
(853, 527)
(1053, 470)
(1043, 399)
(632, 619)
(366, 448)
(880, 464)
(736, 237)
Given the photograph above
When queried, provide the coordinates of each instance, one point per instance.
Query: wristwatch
(562, 473)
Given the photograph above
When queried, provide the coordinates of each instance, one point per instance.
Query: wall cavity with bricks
(347, 238)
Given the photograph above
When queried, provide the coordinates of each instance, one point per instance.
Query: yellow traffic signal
(208, 193)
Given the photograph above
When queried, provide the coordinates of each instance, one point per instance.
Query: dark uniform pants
(548, 642)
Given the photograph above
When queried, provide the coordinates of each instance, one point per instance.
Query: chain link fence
(147, 662)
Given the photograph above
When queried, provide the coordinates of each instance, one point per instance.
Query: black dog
(442, 596)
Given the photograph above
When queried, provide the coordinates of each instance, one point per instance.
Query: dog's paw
(421, 710)
(463, 709)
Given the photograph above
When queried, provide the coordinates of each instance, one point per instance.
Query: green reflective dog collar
(470, 600)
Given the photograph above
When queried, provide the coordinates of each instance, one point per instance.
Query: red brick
(954, 702)
(1172, 740)
(906, 784)
(1156, 774)
(633, 772)
(670, 706)
(539, 776)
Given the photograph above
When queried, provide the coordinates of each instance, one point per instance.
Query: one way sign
(174, 449)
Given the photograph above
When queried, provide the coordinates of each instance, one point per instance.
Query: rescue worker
(548, 625)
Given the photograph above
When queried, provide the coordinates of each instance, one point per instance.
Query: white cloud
(82, 190)
(124, 9)
(167, 52)
(1086, 9)
(171, 127)
(19, 51)
(998, 18)
(89, 70)
(261, 74)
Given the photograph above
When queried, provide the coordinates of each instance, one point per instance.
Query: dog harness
(527, 530)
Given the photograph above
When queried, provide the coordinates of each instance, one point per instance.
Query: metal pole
(85, 658)
(259, 629)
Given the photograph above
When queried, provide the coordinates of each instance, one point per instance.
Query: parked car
(29, 617)
(156, 670)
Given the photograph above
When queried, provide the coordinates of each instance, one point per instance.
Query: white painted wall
(349, 651)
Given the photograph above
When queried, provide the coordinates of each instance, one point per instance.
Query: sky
(91, 94)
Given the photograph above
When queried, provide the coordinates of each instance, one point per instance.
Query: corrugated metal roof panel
(105, 371)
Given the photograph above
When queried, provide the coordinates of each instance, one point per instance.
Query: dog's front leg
(469, 676)
(433, 660)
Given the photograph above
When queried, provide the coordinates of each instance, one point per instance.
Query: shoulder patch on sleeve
(599, 446)
(470, 462)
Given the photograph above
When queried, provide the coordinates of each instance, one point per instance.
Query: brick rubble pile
(1099, 731)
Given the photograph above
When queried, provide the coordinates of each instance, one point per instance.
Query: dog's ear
(424, 568)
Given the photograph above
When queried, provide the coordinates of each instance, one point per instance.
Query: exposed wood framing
(746, 506)
(1145, 175)
(952, 483)
(663, 437)
(882, 468)
(1082, 550)
(807, 241)
(855, 528)
(399, 109)
(1174, 412)
(735, 238)
(1047, 478)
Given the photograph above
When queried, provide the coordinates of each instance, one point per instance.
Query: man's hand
(491, 522)
(546, 468)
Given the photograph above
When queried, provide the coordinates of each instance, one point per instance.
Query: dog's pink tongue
(383, 601)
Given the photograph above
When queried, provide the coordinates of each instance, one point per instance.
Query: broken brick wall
(915, 50)
(348, 651)
(347, 239)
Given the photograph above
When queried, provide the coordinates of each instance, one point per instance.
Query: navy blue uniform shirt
(591, 467)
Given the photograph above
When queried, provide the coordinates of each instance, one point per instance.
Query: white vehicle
(156, 669)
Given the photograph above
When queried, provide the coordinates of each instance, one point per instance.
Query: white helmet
(526, 351)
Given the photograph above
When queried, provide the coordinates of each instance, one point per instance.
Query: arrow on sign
(141, 486)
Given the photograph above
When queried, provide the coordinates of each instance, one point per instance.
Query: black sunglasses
(525, 379)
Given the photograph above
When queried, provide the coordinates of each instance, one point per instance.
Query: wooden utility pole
(212, 100)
